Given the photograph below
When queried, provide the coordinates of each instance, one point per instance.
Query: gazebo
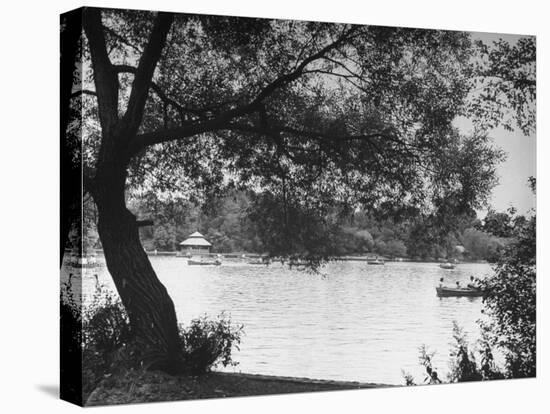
(195, 244)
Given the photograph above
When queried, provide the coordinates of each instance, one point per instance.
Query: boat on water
(259, 262)
(216, 262)
(84, 262)
(375, 261)
(443, 291)
(447, 265)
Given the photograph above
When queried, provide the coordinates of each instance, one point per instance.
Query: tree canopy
(310, 115)
(318, 119)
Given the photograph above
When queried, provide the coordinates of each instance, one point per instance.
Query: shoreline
(336, 258)
(133, 387)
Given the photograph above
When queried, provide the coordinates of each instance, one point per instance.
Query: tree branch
(187, 129)
(122, 40)
(221, 121)
(304, 133)
(145, 69)
(161, 94)
(292, 76)
(105, 78)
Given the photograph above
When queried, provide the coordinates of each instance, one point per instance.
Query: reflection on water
(357, 322)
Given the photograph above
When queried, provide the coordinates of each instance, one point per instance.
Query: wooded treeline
(226, 221)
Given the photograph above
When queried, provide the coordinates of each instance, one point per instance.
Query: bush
(463, 362)
(70, 342)
(464, 365)
(426, 361)
(105, 324)
(209, 343)
(107, 343)
(510, 302)
(94, 340)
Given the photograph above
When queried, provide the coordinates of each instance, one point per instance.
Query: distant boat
(447, 265)
(375, 261)
(259, 262)
(447, 291)
(84, 262)
(216, 262)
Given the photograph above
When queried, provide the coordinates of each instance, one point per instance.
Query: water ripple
(362, 323)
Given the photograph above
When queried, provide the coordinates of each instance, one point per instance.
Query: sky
(520, 164)
(513, 189)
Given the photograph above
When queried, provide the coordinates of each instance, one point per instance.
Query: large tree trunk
(150, 308)
(151, 311)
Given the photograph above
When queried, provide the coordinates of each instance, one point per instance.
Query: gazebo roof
(196, 234)
(196, 239)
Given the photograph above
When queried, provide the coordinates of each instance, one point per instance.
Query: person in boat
(472, 284)
(457, 284)
(441, 282)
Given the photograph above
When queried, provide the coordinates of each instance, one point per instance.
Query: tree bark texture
(150, 309)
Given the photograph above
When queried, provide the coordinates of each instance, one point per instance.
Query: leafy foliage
(242, 221)
(357, 116)
(71, 384)
(426, 361)
(481, 245)
(105, 325)
(102, 337)
(464, 365)
(510, 301)
(506, 77)
(209, 343)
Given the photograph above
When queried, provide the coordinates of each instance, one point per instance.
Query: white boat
(376, 261)
(216, 262)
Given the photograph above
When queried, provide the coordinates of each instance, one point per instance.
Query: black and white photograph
(263, 206)
(257, 207)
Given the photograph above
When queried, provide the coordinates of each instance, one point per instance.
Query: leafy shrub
(463, 363)
(464, 366)
(107, 338)
(70, 342)
(510, 302)
(209, 343)
(105, 324)
(426, 360)
(101, 340)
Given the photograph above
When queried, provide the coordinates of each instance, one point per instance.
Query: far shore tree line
(225, 222)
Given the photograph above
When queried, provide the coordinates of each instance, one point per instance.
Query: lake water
(355, 322)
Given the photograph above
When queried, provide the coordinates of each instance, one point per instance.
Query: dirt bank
(141, 386)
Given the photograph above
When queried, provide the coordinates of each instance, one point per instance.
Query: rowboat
(216, 262)
(447, 266)
(447, 291)
(258, 262)
(375, 262)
